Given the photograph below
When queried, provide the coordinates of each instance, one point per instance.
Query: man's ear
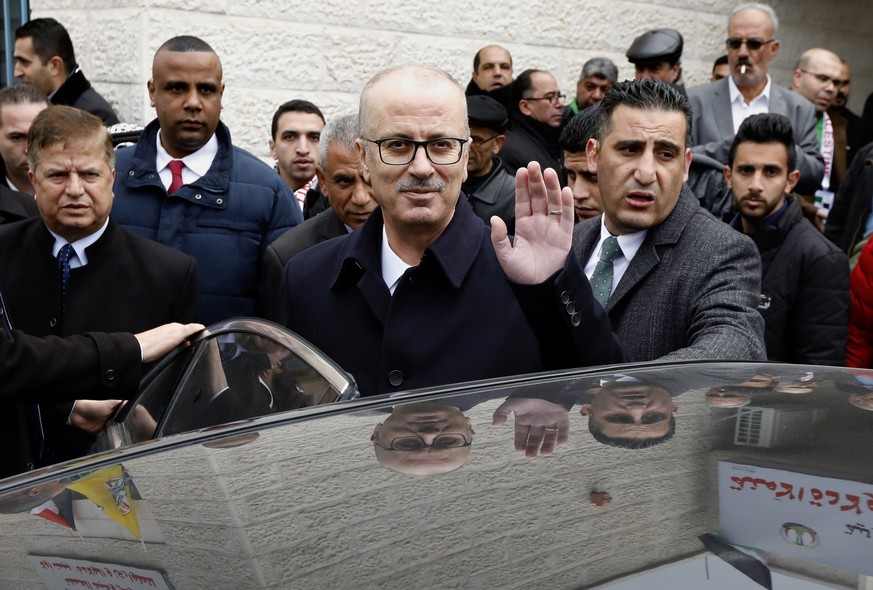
(272, 145)
(727, 176)
(55, 66)
(675, 407)
(687, 163)
(365, 171)
(592, 151)
(151, 86)
(793, 178)
(585, 409)
(524, 108)
(498, 143)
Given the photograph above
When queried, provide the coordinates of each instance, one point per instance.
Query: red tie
(176, 168)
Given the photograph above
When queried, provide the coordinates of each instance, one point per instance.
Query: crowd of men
(640, 221)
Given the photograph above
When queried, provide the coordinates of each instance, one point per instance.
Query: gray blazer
(690, 292)
(712, 128)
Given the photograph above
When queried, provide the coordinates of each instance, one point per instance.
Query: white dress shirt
(629, 244)
(740, 110)
(197, 164)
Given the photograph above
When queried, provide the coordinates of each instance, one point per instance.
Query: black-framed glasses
(552, 97)
(416, 443)
(479, 141)
(754, 44)
(824, 79)
(397, 151)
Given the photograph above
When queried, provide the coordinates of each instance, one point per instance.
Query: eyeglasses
(397, 151)
(479, 141)
(823, 78)
(416, 443)
(754, 44)
(552, 97)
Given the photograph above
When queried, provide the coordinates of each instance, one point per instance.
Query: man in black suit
(72, 270)
(44, 57)
(351, 202)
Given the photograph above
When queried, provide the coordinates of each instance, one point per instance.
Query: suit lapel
(777, 101)
(721, 104)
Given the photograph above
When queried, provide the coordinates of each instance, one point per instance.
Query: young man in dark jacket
(805, 278)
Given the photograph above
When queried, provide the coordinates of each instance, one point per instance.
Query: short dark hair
(643, 95)
(630, 443)
(293, 106)
(49, 38)
(721, 61)
(579, 130)
(523, 85)
(21, 94)
(66, 125)
(766, 128)
(186, 44)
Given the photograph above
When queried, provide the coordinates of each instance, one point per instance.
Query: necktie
(601, 280)
(176, 168)
(64, 263)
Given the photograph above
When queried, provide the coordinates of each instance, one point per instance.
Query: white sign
(61, 573)
(801, 516)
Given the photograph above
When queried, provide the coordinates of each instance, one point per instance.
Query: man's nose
(421, 165)
(74, 185)
(192, 101)
(645, 172)
(303, 145)
(362, 193)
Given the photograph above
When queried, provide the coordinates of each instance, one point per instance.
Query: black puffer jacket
(804, 291)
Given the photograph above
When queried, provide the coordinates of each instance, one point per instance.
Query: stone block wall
(324, 51)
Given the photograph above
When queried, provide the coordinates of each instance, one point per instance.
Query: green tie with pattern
(601, 280)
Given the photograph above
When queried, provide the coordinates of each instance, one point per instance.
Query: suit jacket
(15, 206)
(76, 91)
(690, 292)
(712, 127)
(454, 317)
(130, 284)
(322, 227)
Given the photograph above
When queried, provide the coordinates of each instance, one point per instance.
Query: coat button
(219, 201)
(575, 319)
(110, 375)
(571, 308)
(198, 197)
(131, 173)
(395, 378)
(565, 297)
(53, 322)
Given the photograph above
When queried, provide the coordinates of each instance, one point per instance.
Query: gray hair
(765, 8)
(423, 72)
(341, 130)
(600, 67)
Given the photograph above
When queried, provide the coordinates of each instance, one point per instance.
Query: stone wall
(324, 51)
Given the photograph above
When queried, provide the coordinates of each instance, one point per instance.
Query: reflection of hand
(543, 227)
(91, 415)
(540, 425)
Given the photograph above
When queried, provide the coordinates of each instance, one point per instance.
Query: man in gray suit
(681, 284)
(720, 107)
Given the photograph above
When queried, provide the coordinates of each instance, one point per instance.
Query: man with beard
(720, 107)
(805, 278)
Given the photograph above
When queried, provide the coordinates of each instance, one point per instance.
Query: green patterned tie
(601, 280)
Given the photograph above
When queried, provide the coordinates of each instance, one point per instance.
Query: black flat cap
(484, 111)
(656, 45)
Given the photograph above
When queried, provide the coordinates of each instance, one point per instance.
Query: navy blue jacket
(455, 317)
(225, 220)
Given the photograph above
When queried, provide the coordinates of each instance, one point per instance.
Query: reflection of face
(484, 144)
(186, 91)
(625, 410)
(426, 420)
(540, 109)
(343, 183)
(586, 194)
(15, 120)
(722, 397)
(758, 380)
(863, 401)
(590, 91)
(495, 68)
(660, 70)
(751, 23)
(73, 186)
(640, 163)
(420, 197)
(760, 179)
(295, 146)
(809, 84)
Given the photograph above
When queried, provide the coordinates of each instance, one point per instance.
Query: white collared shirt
(197, 164)
(629, 244)
(740, 110)
(12, 186)
(393, 266)
(79, 259)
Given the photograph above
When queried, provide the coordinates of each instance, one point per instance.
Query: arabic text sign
(61, 573)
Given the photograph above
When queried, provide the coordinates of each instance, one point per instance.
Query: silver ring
(555, 212)
(551, 429)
